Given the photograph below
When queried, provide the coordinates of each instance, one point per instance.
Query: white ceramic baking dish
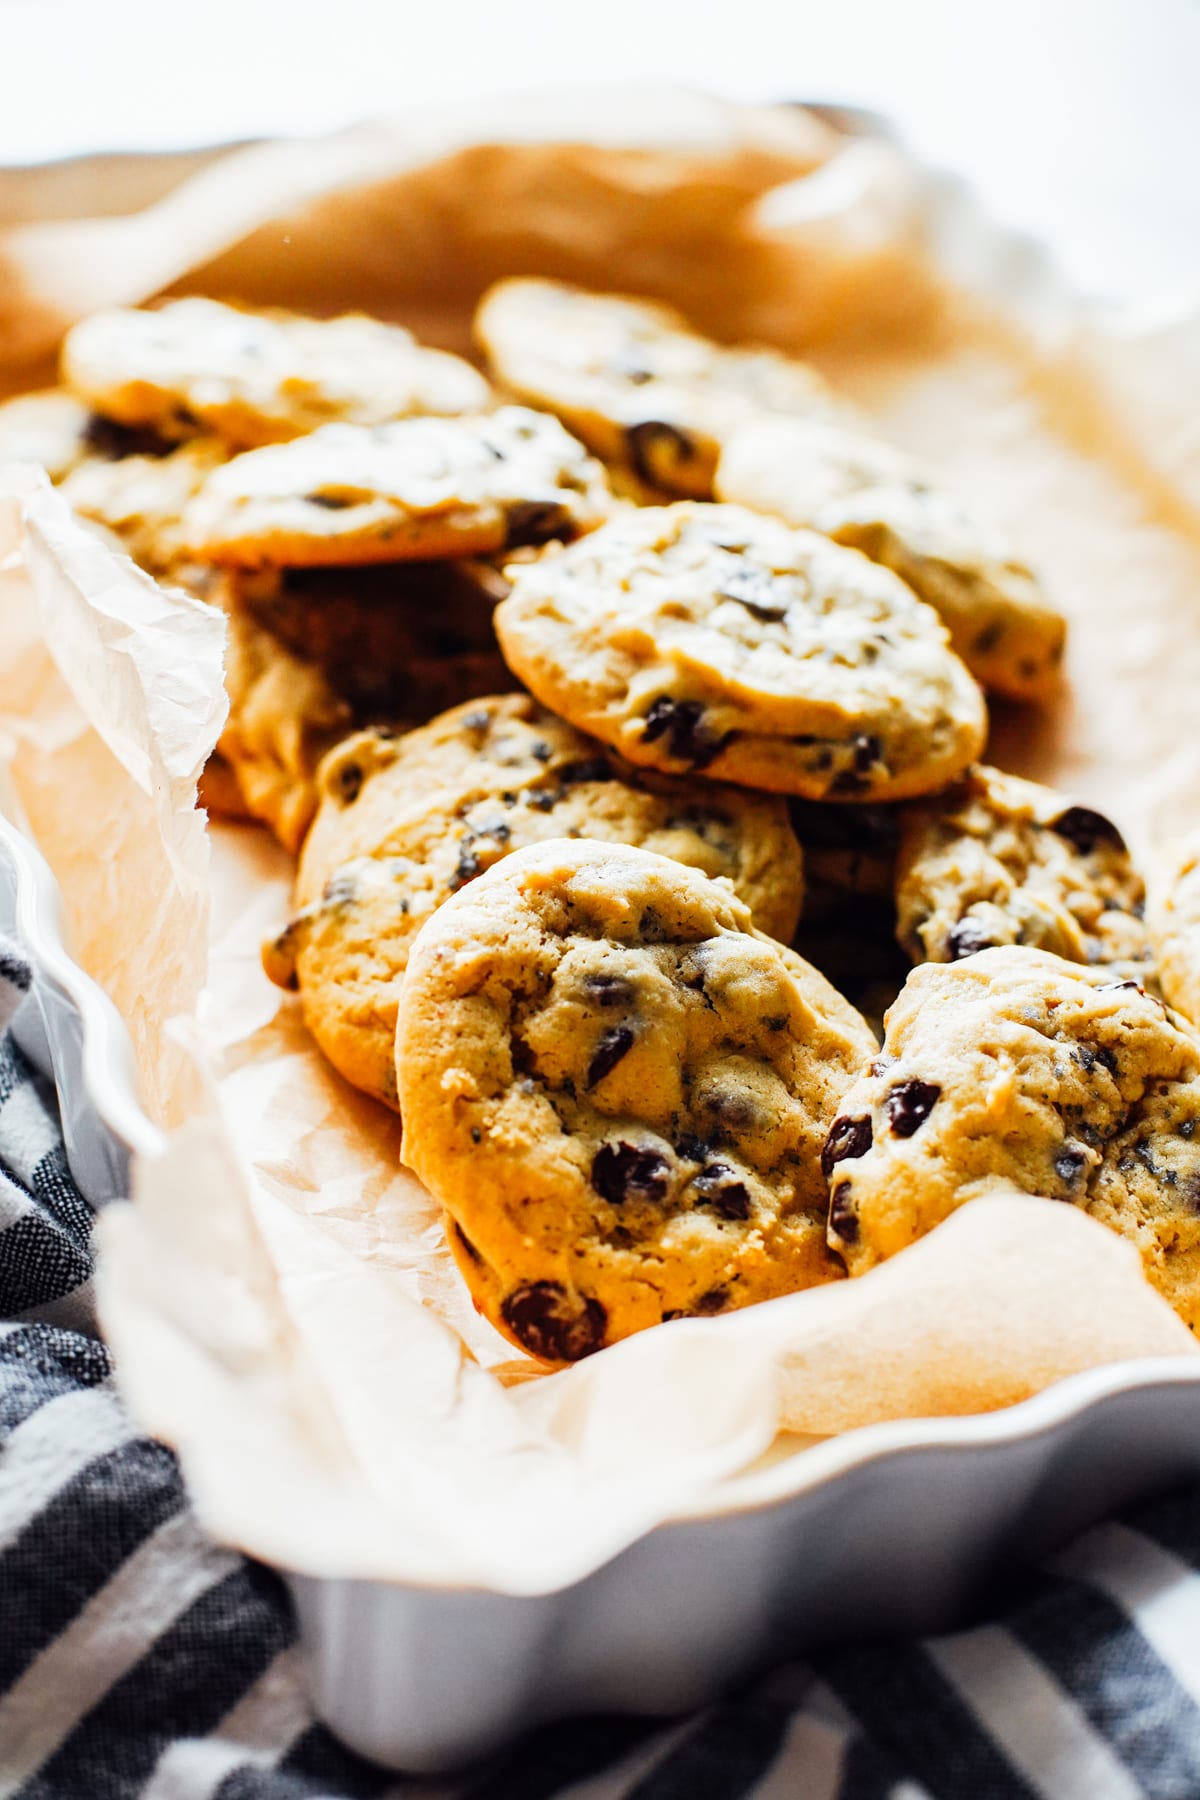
(892, 1528)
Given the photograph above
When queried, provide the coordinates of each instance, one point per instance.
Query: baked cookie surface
(142, 499)
(415, 489)
(998, 860)
(51, 427)
(863, 493)
(709, 637)
(405, 822)
(1015, 1067)
(633, 382)
(618, 1090)
(313, 655)
(258, 377)
(1174, 919)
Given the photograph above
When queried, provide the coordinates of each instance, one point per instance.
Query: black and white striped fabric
(137, 1658)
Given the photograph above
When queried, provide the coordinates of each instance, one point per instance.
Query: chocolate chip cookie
(618, 1089)
(313, 655)
(633, 382)
(420, 488)
(696, 637)
(1015, 1067)
(142, 499)
(49, 427)
(1174, 919)
(997, 860)
(405, 822)
(193, 366)
(861, 492)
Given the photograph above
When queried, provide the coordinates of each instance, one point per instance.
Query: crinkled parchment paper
(279, 1298)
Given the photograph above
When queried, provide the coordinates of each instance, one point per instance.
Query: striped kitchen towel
(138, 1658)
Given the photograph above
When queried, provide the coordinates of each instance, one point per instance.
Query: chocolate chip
(909, 1105)
(339, 890)
(848, 1137)
(608, 990)
(627, 367)
(349, 782)
(552, 1324)
(466, 1243)
(987, 639)
(614, 1043)
(755, 590)
(468, 865)
(1108, 1059)
(104, 437)
(1068, 1164)
(720, 1187)
(775, 1021)
(691, 1148)
(592, 768)
(1084, 830)
(477, 721)
(544, 801)
(624, 1171)
(1116, 987)
(534, 521)
(714, 1301)
(540, 750)
(738, 1111)
(843, 1220)
(883, 1062)
(476, 1135)
(966, 937)
(681, 722)
(1187, 1129)
(643, 442)
(867, 751)
(651, 927)
(1086, 1057)
(330, 502)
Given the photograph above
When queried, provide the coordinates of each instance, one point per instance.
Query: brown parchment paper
(279, 1297)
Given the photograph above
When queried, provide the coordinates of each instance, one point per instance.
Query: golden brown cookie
(1174, 919)
(694, 637)
(313, 655)
(633, 382)
(415, 490)
(861, 492)
(1017, 1068)
(192, 366)
(407, 821)
(997, 860)
(618, 1090)
(142, 499)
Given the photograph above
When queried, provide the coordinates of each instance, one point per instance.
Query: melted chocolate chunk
(681, 722)
(755, 590)
(1108, 1058)
(349, 782)
(714, 1301)
(339, 890)
(614, 1043)
(104, 437)
(1085, 830)
(691, 1148)
(909, 1105)
(552, 1324)
(644, 441)
(1068, 1165)
(843, 1220)
(608, 990)
(593, 768)
(328, 502)
(624, 1171)
(534, 521)
(722, 1188)
(966, 937)
(848, 1138)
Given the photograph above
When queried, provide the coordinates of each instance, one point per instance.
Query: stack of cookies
(625, 711)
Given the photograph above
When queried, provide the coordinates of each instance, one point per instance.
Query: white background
(1079, 120)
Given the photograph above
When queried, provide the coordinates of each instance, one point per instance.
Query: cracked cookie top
(619, 1091)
